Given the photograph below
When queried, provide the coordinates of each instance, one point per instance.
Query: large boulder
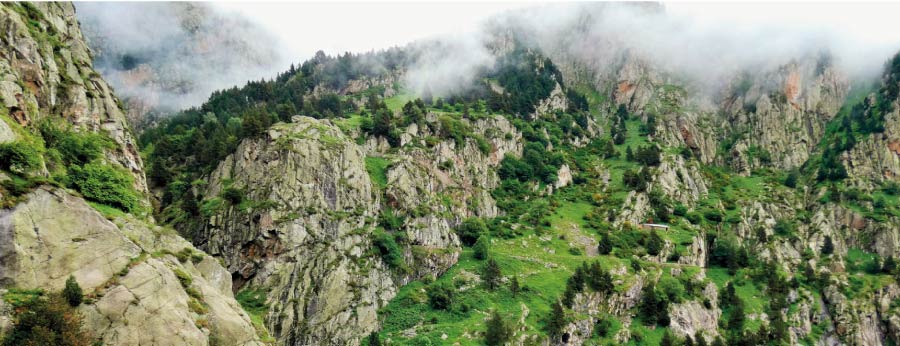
(134, 293)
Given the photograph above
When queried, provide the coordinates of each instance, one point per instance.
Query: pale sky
(336, 27)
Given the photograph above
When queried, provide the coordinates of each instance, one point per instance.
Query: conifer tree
(514, 285)
(492, 274)
(828, 247)
(481, 250)
(557, 320)
(72, 292)
(605, 246)
(498, 331)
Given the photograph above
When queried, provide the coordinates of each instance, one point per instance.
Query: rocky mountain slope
(65, 140)
(562, 198)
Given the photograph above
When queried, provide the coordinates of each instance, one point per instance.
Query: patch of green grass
(109, 212)
(395, 103)
(755, 301)
(19, 297)
(377, 168)
(254, 303)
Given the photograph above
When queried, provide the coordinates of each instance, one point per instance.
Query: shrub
(491, 274)
(19, 156)
(713, 215)
(470, 230)
(79, 149)
(388, 249)
(694, 218)
(498, 330)
(482, 247)
(47, 321)
(602, 327)
(391, 221)
(784, 227)
(440, 296)
(184, 278)
(233, 195)
(72, 292)
(654, 244)
(105, 184)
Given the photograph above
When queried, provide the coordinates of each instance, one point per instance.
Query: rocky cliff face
(144, 284)
(779, 117)
(305, 230)
(138, 291)
(48, 72)
(304, 237)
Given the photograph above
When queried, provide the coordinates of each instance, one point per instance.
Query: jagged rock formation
(144, 284)
(305, 231)
(47, 71)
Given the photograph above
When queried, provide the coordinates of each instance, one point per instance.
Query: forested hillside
(565, 194)
(537, 208)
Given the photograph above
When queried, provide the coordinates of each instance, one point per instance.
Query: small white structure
(652, 226)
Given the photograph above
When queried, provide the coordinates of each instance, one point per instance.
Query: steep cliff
(143, 284)
(311, 231)
(48, 73)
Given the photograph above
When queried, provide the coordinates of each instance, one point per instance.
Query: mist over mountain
(167, 56)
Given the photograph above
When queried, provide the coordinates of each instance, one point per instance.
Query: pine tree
(498, 331)
(383, 123)
(828, 247)
(557, 320)
(791, 180)
(890, 265)
(72, 292)
(492, 274)
(667, 339)
(629, 155)
(374, 339)
(654, 244)
(605, 246)
(699, 340)
(651, 306)
(482, 247)
(736, 317)
(514, 286)
(599, 279)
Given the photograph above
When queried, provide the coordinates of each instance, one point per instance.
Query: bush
(498, 330)
(654, 244)
(482, 247)
(390, 221)
(784, 227)
(19, 157)
(470, 230)
(440, 296)
(233, 195)
(694, 218)
(713, 215)
(388, 249)
(47, 321)
(72, 292)
(105, 184)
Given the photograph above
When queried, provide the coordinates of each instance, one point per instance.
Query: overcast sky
(336, 27)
